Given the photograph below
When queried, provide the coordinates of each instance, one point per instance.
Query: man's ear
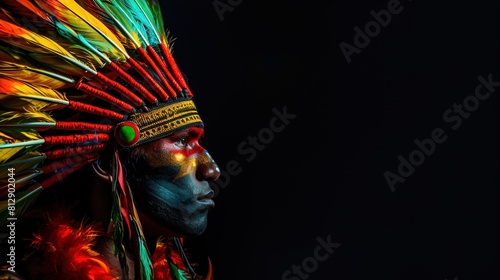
(101, 173)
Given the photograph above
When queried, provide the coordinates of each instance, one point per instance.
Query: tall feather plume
(83, 43)
(42, 23)
(93, 30)
(51, 54)
(107, 19)
(43, 49)
(139, 17)
(133, 31)
(75, 21)
(121, 22)
(19, 158)
(154, 14)
(151, 12)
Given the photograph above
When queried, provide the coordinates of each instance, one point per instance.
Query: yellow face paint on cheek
(188, 166)
(174, 160)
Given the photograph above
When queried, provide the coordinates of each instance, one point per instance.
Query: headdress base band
(159, 122)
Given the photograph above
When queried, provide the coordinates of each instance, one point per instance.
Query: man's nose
(207, 169)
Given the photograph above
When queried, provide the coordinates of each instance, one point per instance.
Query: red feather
(67, 251)
(161, 267)
(166, 252)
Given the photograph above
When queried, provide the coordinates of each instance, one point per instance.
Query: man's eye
(181, 142)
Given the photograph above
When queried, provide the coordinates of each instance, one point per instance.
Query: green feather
(146, 265)
(95, 56)
(151, 13)
(177, 273)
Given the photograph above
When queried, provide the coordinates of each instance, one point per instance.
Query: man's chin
(169, 228)
(192, 229)
(183, 231)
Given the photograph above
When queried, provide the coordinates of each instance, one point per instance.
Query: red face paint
(180, 150)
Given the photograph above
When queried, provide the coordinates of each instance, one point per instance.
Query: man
(103, 175)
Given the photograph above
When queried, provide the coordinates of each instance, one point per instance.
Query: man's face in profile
(170, 179)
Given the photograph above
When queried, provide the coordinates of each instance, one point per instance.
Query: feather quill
(36, 76)
(28, 119)
(122, 22)
(15, 136)
(107, 19)
(53, 55)
(149, 14)
(16, 95)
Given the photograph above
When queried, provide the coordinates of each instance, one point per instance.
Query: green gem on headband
(127, 134)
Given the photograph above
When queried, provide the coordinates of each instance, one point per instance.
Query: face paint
(171, 181)
(177, 152)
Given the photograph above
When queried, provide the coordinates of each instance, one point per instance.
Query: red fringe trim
(84, 126)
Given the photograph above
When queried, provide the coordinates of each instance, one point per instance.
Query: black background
(323, 174)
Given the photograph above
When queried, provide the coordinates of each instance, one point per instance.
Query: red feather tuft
(161, 267)
(67, 251)
(175, 256)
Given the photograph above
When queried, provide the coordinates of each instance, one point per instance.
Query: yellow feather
(35, 75)
(10, 137)
(43, 49)
(16, 95)
(28, 119)
(22, 163)
(83, 22)
(6, 154)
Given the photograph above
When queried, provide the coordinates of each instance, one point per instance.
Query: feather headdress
(76, 77)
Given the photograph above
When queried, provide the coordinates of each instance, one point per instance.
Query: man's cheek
(186, 167)
(156, 159)
(163, 175)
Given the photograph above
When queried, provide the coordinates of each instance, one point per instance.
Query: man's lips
(206, 203)
(206, 200)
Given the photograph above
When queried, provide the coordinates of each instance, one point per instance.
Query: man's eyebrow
(189, 132)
